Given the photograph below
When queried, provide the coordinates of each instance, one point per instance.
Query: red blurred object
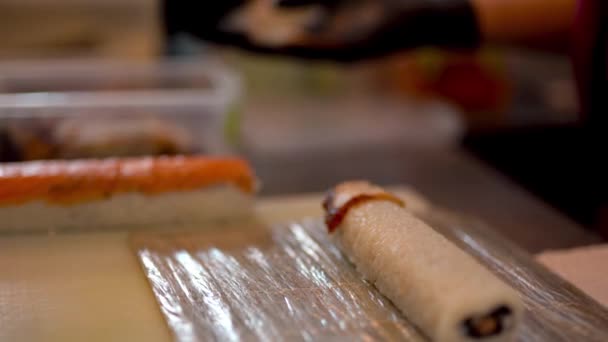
(472, 87)
(475, 82)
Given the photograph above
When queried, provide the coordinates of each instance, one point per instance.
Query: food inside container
(95, 138)
(111, 109)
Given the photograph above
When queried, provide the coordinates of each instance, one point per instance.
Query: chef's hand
(346, 30)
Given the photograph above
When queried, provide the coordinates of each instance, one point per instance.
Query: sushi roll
(130, 192)
(440, 288)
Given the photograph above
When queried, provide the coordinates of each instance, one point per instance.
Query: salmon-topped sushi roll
(132, 192)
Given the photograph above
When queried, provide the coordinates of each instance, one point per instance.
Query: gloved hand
(349, 30)
(201, 18)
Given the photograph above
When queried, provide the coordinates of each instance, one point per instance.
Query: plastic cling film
(555, 309)
(295, 285)
(291, 282)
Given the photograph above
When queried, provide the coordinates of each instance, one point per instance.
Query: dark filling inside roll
(488, 325)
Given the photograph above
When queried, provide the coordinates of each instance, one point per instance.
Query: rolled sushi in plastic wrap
(439, 287)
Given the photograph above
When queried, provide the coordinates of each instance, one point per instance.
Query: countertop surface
(90, 287)
(449, 177)
(309, 145)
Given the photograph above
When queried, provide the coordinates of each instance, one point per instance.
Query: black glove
(349, 29)
(201, 18)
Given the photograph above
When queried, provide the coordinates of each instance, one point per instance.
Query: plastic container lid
(186, 104)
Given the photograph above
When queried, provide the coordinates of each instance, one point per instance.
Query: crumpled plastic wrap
(290, 282)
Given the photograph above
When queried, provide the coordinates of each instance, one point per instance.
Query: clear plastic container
(81, 109)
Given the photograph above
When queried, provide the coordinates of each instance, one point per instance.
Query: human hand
(332, 29)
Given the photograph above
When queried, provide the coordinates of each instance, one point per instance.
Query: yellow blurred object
(68, 28)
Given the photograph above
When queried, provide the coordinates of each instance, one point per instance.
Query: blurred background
(92, 78)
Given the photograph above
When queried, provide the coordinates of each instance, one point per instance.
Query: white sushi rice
(130, 210)
(432, 281)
